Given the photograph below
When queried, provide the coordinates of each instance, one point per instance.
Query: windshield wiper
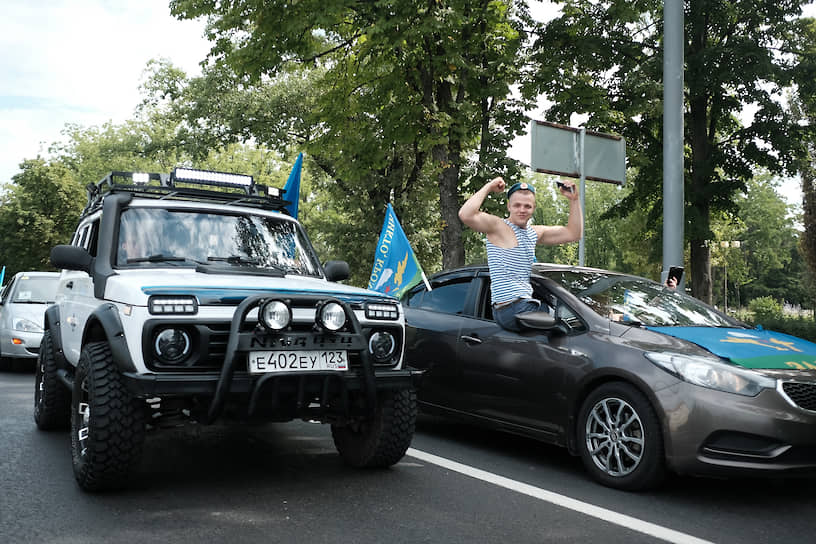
(158, 258)
(235, 259)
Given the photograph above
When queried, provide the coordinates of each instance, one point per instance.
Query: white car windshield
(167, 237)
(36, 289)
(638, 300)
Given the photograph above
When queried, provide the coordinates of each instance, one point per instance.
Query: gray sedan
(22, 306)
(636, 378)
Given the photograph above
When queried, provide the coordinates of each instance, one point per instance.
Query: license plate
(297, 361)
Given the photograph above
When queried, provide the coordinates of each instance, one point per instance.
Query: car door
(516, 379)
(433, 319)
(76, 296)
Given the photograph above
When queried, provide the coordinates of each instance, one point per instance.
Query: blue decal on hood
(752, 348)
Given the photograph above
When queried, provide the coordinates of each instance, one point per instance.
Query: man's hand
(568, 189)
(671, 282)
(496, 185)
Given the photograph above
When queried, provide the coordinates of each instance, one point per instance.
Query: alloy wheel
(615, 436)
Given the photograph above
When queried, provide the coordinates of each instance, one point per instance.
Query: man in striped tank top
(511, 244)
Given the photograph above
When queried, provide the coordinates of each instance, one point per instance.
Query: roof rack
(185, 184)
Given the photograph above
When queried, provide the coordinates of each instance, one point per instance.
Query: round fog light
(172, 345)
(382, 346)
(276, 315)
(332, 317)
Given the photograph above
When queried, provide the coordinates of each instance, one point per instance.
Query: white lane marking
(635, 524)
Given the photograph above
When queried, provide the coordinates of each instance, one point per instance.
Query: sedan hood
(33, 311)
(750, 348)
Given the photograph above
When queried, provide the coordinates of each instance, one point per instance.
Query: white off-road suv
(182, 299)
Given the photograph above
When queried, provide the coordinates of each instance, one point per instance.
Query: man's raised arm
(471, 214)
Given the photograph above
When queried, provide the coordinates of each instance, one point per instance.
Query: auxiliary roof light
(212, 178)
(141, 178)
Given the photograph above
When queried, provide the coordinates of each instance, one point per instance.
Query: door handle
(471, 339)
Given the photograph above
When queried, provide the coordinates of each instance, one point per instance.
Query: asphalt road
(285, 483)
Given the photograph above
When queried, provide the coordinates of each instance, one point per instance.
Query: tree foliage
(605, 58)
(39, 210)
(407, 92)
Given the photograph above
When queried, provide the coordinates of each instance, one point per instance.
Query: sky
(82, 61)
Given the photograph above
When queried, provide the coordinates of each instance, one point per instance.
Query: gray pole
(581, 195)
(673, 220)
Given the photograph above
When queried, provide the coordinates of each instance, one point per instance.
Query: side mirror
(538, 320)
(71, 258)
(337, 270)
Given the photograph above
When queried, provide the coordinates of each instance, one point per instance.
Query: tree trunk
(453, 249)
(701, 281)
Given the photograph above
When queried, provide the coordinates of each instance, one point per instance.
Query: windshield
(150, 237)
(633, 299)
(36, 289)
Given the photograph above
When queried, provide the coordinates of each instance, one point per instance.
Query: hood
(750, 348)
(33, 311)
(135, 286)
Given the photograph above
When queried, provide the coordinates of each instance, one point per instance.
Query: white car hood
(34, 312)
(135, 286)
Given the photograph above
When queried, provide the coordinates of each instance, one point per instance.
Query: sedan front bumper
(710, 432)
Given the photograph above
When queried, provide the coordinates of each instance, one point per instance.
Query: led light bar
(381, 311)
(141, 178)
(212, 178)
(172, 305)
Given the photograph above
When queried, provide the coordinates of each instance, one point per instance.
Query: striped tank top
(510, 266)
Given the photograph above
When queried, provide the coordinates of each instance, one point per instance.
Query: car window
(447, 298)
(187, 238)
(414, 297)
(632, 299)
(35, 289)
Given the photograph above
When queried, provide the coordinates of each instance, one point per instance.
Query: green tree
(804, 101)
(39, 210)
(407, 92)
(605, 58)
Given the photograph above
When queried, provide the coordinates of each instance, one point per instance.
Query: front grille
(802, 394)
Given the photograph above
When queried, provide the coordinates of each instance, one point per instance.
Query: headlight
(331, 316)
(276, 315)
(172, 346)
(712, 373)
(162, 304)
(25, 325)
(382, 346)
(381, 311)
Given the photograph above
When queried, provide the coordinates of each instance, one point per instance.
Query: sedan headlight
(25, 325)
(712, 373)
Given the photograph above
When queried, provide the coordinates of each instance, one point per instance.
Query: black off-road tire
(107, 423)
(52, 400)
(617, 418)
(382, 440)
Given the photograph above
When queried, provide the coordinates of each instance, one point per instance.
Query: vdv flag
(396, 268)
(291, 191)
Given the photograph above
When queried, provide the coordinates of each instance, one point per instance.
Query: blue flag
(291, 191)
(396, 268)
(3, 275)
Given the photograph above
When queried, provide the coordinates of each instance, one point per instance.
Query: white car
(179, 303)
(22, 306)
